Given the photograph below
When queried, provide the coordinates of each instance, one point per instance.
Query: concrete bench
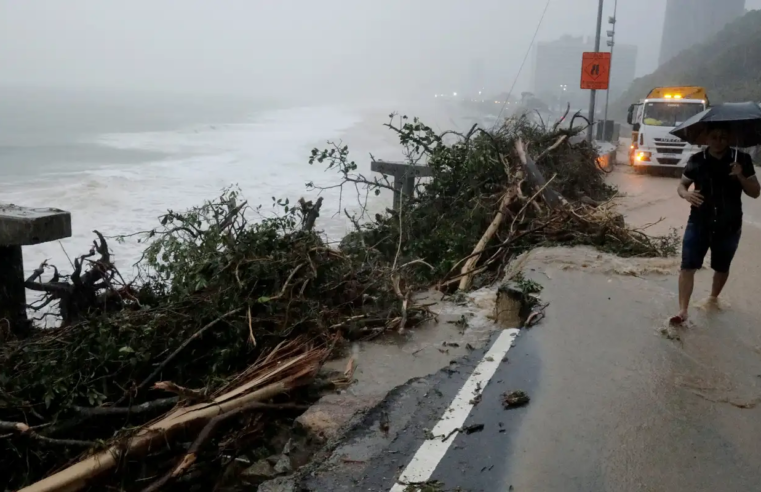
(22, 226)
(404, 176)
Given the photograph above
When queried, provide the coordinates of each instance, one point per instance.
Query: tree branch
(174, 354)
(21, 429)
(136, 409)
(192, 454)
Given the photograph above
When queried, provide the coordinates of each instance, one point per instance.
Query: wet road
(619, 401)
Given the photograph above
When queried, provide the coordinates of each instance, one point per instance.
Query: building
(557, 70)
(691, 22)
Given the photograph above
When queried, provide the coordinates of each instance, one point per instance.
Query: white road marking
(431, 452)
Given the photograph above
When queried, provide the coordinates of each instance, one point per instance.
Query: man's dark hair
(719, 126)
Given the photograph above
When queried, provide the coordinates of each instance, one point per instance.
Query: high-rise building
(557, 70)
(691, 22)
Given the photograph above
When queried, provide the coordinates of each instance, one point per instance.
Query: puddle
(393, 359)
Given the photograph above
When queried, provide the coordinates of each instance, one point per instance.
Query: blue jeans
(698, 238)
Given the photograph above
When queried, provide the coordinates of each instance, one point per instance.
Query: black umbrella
(743, 121)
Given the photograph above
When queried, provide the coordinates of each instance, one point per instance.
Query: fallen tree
(169, 382)
(215, 293)
(488, 200)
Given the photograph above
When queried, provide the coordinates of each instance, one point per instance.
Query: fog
(299, 49)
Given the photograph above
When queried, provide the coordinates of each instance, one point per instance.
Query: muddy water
(653, 200)
(622, 406)
(627, 403)
(395, 359)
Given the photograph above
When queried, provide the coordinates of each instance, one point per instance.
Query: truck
(652, 118)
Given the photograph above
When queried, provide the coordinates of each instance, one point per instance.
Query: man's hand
(694, 197)
(736, 170)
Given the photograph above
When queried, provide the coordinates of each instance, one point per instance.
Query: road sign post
(593, 92)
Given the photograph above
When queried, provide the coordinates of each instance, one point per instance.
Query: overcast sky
(313, 48)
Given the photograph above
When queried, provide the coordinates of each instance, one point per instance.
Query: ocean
(117, 162)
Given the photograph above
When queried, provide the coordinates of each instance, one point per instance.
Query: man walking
(720, 175)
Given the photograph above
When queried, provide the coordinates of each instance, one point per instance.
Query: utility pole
(593, 92)
(611, 44)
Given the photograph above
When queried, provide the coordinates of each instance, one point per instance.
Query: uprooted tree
(99, 287)
(240, 311)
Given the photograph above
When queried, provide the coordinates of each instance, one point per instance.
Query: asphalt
(619, 400)
(617, 404)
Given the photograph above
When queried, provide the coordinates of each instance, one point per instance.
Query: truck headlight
(643, 156)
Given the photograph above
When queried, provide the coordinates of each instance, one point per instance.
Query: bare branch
(148, 406)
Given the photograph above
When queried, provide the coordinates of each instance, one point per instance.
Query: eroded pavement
(619, 401)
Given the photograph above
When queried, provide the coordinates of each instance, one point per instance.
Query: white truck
(654, 117)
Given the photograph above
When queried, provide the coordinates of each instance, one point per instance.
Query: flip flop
(676, 320)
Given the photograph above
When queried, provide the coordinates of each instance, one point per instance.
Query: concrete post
(20, 226)
(12, 291)
(404, 177)
(409, 185)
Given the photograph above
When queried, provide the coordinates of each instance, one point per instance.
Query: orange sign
(595, 70)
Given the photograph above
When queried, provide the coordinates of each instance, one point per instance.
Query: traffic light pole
(593, 93)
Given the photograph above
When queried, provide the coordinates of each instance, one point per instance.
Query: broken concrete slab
(284, 484)
(259, 471)
(283, 465)
(24, 226)
(512, 304)
(327, 417)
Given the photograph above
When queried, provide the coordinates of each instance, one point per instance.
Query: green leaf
(263, 299)
(126, 350)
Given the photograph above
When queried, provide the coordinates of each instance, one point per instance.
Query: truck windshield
(669, 114)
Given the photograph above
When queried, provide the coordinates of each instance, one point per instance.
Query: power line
(528, 52)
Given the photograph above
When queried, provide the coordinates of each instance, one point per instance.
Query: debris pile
(172, 380)
(223, 310)
(492, 195)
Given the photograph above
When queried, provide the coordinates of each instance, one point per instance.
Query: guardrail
(404, 177)
(22, 226)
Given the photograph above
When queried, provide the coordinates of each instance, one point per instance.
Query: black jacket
(722, 206)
